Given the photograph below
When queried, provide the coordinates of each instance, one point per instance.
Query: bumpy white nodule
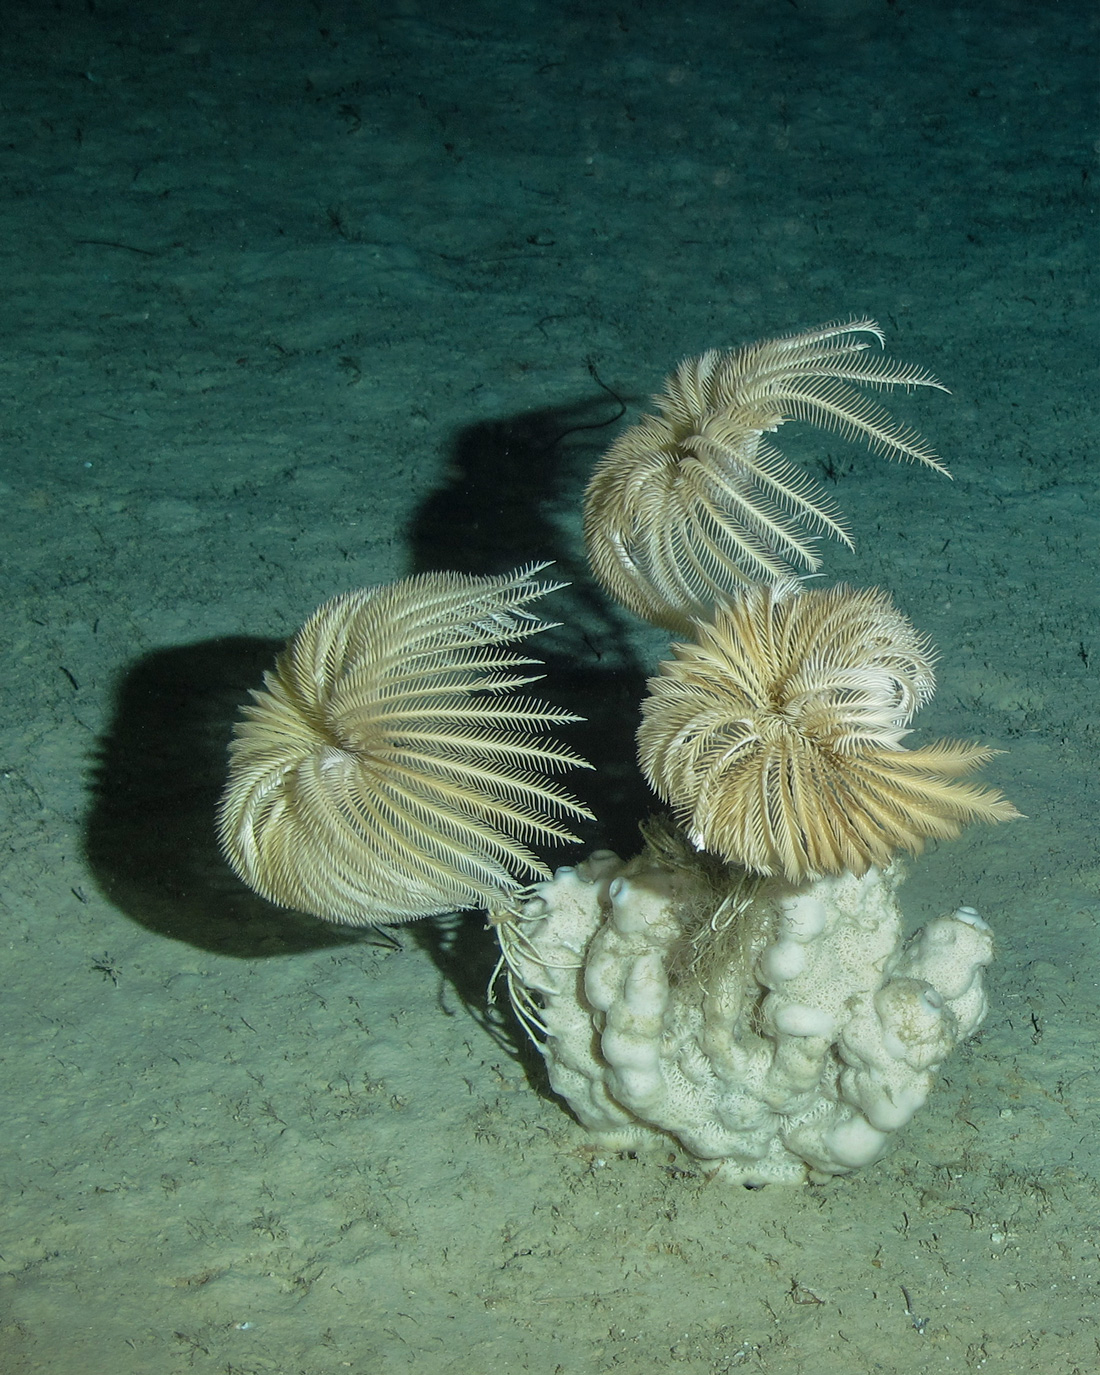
(794, 1062)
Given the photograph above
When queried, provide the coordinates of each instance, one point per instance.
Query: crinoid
(777, 737)
(691, 504)
(388, 772)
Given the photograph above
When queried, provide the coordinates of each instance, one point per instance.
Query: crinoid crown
(694, 503)
(388, 771)
(777, 737)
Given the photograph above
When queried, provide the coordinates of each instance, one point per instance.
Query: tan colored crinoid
(692, 504)
(777, 738)
(388, 772)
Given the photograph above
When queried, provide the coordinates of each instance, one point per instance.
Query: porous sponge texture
(795, 1060)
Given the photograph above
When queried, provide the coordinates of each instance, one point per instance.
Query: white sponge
(796, 1059)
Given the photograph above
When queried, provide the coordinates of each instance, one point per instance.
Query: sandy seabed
(305, 297)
